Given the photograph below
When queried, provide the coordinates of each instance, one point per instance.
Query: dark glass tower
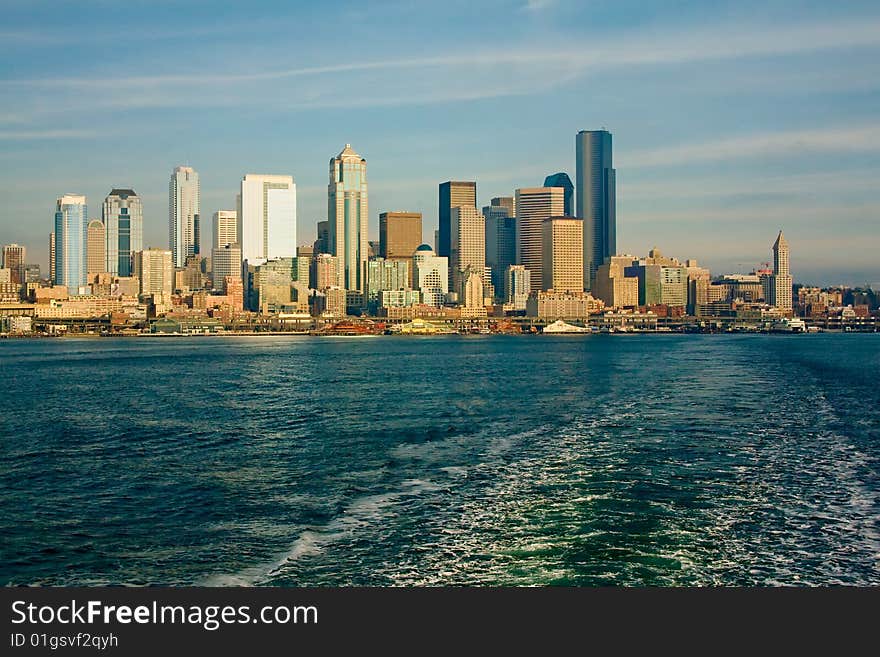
(596, 198)
(561, 179)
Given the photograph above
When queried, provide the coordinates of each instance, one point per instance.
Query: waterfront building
(468, 246)
(234, 291)
(326, 271)
(613, 287)
(533, 205)
(347, 214)
(184, 203)
(266, 226)
(123, 217)
(52, 258)
(431, 275)
(273, 283)
(500, 239)
(14, 260)
(225, 263)
(562, 249)
(225, 228)
(71, 241)
(453, 193)
(780, 282)
(472, 297)
(96, 248)
(596, 198)
(398, 298)
(383, 274)
(400, 234)
(561, 179)
(155, 272)
(699, 279)
(518, 286)
(553, 305)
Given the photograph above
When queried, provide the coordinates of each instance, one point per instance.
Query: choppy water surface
(636, 460)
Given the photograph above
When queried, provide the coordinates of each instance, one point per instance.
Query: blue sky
(730, 121)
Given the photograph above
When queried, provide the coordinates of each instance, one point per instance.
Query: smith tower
(347, 218)
(596, 197)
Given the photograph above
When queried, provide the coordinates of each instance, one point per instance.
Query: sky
(730, 121)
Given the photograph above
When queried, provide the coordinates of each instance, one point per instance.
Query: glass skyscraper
(561, 179)
(183, 214)
(124, 229)
(596, 198)
(71, 238)
(347, 215)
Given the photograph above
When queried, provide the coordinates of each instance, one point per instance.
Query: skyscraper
(468, 246)
(52, 258)
(97, 248)
(561, 179)
(431, 275)
(322, 243)
(225, 263)
(500, 217)
(596, 198)
(123, 230)
(267, 218)
(347, 214)
(225, 228)
(562, 246)
(452, 194)
(400, 234)
(533, 205)
(780, 281)
(184, 204)
(155, 271)
(71, 239)
(14, 260)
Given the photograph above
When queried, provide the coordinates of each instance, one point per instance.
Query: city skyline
(719, 122)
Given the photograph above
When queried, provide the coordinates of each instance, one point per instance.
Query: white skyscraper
(183, 214)
(347, 217)
(267, 218)
(225, 228)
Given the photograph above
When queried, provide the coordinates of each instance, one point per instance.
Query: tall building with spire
(780, 281)
(184, 202)
(596, 198)
(123, 216)
(347, 216)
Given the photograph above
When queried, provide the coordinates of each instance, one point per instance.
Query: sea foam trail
(360, 513)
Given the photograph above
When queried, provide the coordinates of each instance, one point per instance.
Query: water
(634, 460)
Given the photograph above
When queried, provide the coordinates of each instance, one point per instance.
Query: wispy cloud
(46, 134)
(855, 139)
(538, 5)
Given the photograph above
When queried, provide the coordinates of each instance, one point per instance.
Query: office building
(562, 180)
(533, 205)
(780, 281)
(500, 240)
(431, 276)
(155, 271)
(452, 194)
(52, 257)
(347, 214)
(123, 217)
(518, 286)
(326, 271)
(71, 242)
(562, 248)
(596, 198)
(266, 226)
(225, 264)
(562, 305)
(96, 248)
(322, 243)
(184, 203)
(14, 260)
(468, 244)
(613, 287)
(225, 228)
